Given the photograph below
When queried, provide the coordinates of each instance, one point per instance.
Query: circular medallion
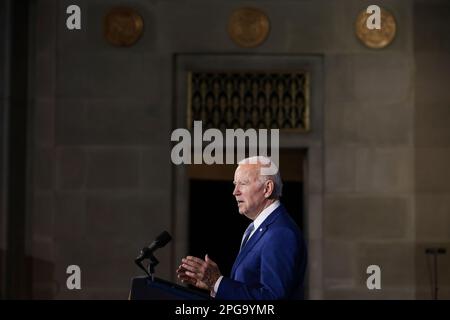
(376, 38)
(122, 26)
(248, 27)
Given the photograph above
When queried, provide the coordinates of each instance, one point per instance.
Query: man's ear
(268, 188)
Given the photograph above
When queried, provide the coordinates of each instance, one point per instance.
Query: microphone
(160, 241)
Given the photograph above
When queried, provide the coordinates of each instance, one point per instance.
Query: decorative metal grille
(261, 100)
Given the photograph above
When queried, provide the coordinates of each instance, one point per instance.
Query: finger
(209, 261)
(195, 259)
(184, 277)
(188, 280)
(182, 280)
(193, 275)
(180, 269)
(191, 263)
(190, 268)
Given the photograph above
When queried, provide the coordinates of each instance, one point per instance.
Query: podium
(144, 288)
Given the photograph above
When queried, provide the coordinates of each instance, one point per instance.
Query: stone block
(46, 18)
(157, 169)
(45, 78)
(44, 168)
(431, 20)
(431, 169)
(42, 269)
(43, 214)
(339, 263)
(384, 170)
(342, 123)
(340, 172)
(115, 75)
(72, 76)
(431, 125)
(70, 122)
(431, 80)
(70, 217)
(340, 81)
(113, 168)
(432, 217)
(376, 76)
(387, 124)
(126, 122)
(127, 216)
(395, 259)
(357, 218)
(72, 168)
(44, 123)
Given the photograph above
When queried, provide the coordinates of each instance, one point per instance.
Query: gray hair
(275, 178)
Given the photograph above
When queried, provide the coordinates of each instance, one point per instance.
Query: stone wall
(101, 153)
(432, 140)
(102, 117)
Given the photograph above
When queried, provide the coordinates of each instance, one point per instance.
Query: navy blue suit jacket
(271, 265)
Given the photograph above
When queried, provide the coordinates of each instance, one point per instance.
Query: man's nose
(236, 190)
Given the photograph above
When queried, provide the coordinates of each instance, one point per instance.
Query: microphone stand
(435, 252)
(147, 253)
(151, 266)
(153, 262)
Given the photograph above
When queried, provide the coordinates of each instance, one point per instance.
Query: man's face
(248, 190)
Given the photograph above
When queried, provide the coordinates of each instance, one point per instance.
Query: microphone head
(159, 242)
(163, 239)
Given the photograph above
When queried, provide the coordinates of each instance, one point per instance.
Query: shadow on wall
(38, 283)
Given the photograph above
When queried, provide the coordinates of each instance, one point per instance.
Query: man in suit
(272, 259)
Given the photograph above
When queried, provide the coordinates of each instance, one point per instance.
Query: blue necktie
(247, 234)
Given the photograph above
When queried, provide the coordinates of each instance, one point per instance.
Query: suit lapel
(255, 238)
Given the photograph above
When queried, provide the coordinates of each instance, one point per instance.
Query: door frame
(312, 142)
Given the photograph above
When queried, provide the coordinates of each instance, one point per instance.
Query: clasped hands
(201, 273)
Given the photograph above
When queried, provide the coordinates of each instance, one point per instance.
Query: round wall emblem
(376, 38)
(122, 26)
(248, 27)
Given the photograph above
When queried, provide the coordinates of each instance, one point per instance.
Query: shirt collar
(264, 214)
